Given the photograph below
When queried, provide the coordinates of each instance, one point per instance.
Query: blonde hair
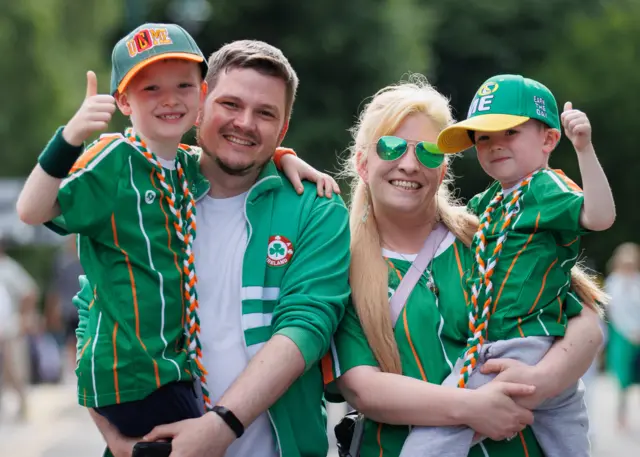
(368, 273)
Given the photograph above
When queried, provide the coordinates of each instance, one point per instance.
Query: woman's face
(404, 186)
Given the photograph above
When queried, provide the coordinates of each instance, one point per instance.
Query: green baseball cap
(502, 102)
(147, 44)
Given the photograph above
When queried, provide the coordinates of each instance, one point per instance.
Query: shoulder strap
(428, 250)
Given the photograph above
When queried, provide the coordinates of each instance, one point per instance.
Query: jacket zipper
(246, 217)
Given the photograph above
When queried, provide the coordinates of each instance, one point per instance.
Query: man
(272, 269)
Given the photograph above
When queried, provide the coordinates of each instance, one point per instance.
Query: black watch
(230, 419)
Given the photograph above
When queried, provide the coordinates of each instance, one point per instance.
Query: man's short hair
(259, 56)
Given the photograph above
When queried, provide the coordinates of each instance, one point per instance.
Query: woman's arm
(562, 366)
(396, 399)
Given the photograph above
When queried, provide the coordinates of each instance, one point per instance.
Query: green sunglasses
(392, 148)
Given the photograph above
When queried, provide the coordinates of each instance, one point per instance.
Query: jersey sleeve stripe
(563, 181)
(92, 152)
(91, 158)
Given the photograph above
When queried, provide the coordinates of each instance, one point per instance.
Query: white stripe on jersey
(260, 293)
(93, 163)
(540, 320)
(93, 360)
(336, 361)
(561, 184)
(152, 266)
(569, 260)
(160, 277)
(256, 320)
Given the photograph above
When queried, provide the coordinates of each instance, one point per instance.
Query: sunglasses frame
(431, 159)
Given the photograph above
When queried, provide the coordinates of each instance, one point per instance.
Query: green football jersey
(128, 247)
(533, 272)
(431, 333)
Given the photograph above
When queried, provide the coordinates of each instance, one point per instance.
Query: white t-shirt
(219, 251)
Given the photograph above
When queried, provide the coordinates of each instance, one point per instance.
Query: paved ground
(56, 427)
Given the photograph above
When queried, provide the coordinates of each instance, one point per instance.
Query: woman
(623, 350)
(400, 197)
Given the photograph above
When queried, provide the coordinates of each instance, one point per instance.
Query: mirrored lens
(429, 155)
(391, 147)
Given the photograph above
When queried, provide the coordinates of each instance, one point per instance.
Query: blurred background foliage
(585, 51)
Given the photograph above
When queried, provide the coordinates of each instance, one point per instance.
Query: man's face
(242, 120)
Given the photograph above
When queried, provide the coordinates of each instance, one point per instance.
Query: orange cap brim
(168, 55)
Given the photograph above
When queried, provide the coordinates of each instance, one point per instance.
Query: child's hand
(576, 126)
(93, 116)
(297, 169)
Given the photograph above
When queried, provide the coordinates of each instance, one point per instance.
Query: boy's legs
(456, 441)
(170, 403)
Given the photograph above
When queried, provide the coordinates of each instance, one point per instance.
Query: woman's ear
(123, 103)
(361, 166)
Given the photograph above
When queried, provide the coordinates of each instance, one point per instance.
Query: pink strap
(431, 244)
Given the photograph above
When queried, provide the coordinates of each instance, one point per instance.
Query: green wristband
(59, 156)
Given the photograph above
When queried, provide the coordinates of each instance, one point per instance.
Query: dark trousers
(170, 403)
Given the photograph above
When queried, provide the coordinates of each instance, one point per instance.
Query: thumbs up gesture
(576, 126)
(93, 116)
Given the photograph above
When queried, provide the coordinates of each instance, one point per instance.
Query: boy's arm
(37, 202)
(598, 212)
(296, 170)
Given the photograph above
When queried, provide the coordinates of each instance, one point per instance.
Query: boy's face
(163, 99)
(510, 155)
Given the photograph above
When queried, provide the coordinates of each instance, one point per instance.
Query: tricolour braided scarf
(185, 228)
(482, 287)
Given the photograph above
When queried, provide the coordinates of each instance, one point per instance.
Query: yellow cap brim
(455, 138)
(168, 55)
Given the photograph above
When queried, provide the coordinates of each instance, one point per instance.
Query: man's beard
(226, 168)
(232, 171)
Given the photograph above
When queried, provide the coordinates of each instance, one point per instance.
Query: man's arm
(313, 296)
(267, 377)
